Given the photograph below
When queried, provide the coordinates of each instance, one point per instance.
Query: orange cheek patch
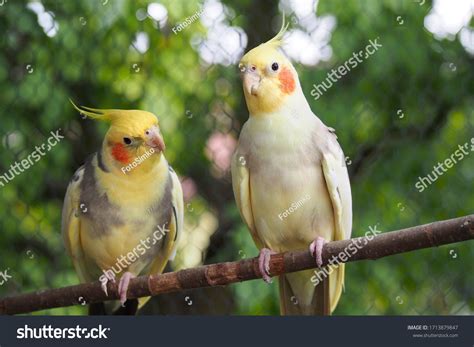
(120, 153)
(287, 81)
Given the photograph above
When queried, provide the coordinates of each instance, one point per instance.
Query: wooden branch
(382, 245)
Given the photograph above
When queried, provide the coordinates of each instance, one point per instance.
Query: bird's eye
(275, 66)
(147, 132)
(127, 140)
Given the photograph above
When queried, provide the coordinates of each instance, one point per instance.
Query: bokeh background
(397, 114)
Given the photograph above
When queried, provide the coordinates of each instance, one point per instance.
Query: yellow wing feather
(332, 168)
(242, 193)
(71, 226)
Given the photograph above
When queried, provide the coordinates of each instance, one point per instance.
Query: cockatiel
(123, 210)
(289, 178)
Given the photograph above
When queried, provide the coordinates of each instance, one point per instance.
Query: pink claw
(316, 248)
(123, 286)
(107, 278)
(264, 264)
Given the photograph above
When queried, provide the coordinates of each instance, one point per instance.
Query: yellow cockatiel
(289, 178)
(123, 210)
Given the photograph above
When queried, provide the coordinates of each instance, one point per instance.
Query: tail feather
(321, 300)
(337, 285)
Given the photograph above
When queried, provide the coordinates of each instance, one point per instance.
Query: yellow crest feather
(127, 120)
(93, 113)
(278, 39)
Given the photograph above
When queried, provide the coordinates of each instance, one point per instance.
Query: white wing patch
(177, 217)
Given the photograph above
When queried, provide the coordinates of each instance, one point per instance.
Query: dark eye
(147, 132)
(127, 140)
(275, 66)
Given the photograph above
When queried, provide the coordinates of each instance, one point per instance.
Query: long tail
(300, 296)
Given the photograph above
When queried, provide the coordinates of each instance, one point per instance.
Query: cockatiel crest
(125, 119)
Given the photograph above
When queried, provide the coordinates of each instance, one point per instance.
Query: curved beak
(251, 82)
(155, 140)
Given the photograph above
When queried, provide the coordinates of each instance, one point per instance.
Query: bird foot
(109, 276)
(316, 249)
(123, 286)
(264, 264)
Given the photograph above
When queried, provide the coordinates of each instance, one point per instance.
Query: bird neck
(295, 103)
(139, 186)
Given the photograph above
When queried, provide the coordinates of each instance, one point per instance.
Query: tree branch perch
(385, 244)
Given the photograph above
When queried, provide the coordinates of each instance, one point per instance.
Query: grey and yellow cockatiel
(289, 177)
(123, 210)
